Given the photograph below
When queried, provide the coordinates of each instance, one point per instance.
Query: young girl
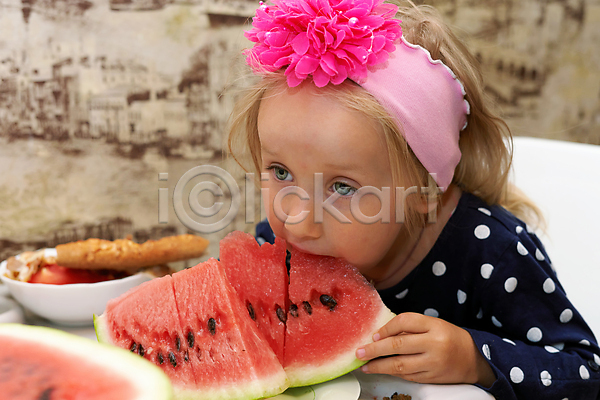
(376, 144)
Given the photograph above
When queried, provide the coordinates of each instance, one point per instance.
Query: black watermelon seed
(251, 312)
(46, 394)
(186, 356)
(328, 301)
(293, 310)
(177, 343)
(190, 338)
(172, 359)
(133, 347)
(160, 358)
(212, 326)
(288, 257)
(307, 307)
(141, 350)
(281, 314)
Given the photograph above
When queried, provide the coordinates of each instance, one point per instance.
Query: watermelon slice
(45, 363)
(198, 326)
(333, 311)
(194, 326)
(259, 276)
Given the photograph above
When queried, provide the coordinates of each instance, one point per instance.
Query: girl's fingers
(399, 344)
(405, 322)
(401, 366)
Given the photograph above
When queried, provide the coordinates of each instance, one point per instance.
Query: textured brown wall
(97, 98)
(541, 60)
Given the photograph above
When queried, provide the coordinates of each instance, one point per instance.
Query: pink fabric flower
(330, 40)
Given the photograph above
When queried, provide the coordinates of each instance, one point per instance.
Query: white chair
(563, 178)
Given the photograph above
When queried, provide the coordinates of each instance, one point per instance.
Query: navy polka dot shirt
(488, 274)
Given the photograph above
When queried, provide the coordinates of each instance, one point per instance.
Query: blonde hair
(486, 143)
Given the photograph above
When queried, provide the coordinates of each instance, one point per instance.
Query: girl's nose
(297, 214)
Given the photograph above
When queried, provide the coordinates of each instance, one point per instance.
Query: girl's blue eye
(343, 189)
(281, 174)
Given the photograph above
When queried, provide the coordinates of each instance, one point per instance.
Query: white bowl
(73, 304)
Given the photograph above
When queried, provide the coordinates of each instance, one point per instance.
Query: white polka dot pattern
(486, 351)
(485, 211)
(539, 255)
(509, 341)
(432, 312)
(486, 270)
(519, 229)
(521, 249)
(496, 322)
(510, 284)
(402, 294)
(566, 315)
(583, 372)
(534, 334)
(546, 378)
(516, 375)
(549, 285)
(438, 268)
(482, 232)
(461, 296)
(551, 349)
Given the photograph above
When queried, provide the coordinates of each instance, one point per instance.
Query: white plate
(10, 311)
(4, 290)
(346, 387)
(375, 387)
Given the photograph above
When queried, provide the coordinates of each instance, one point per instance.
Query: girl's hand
(426, 350)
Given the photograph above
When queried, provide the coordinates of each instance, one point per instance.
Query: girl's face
(304, 136)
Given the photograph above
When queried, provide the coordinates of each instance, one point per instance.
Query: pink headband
(335, 40)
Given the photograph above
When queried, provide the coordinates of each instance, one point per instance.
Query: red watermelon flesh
(37, 371)
(259, 276)
(232, 358)
(333, 311)
(145, 321)
(209, 346)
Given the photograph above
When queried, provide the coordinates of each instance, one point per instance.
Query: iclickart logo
(209, 182)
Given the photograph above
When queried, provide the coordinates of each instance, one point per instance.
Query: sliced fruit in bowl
(54, 296)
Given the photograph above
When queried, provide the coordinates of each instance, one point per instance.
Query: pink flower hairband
(330, 40)
(335, 40)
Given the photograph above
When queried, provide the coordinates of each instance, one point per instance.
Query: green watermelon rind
(249, 392)
(148, 380)
(100, 328)
(343, 364)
